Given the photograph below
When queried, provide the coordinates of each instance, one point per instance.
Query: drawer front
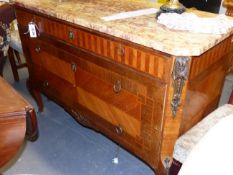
(54, 86)
(125, 53)
(122, 109)
(119, 107)
(44, 25)
(52, 60)
(57, 29)
(105, 96)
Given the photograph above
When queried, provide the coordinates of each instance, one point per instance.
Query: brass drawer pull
(45, 84)
(121, 51)
(71, 35)
(73, 67)
(38, 49)
(117, 86)
(119, 130)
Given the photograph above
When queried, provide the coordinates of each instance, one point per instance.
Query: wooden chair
(14, 52)
(15, 47)
(6, 17)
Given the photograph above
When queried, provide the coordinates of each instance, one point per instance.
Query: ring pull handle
(120, 50)
(119, 129)
(45, 84)
(117, 86)
(38, 49)
(71, 35)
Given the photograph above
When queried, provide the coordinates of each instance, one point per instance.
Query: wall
(222, 9)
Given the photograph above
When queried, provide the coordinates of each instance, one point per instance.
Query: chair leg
(20, 64)
(13, 64)
(2, 62)
(231, 98)
(17, 56)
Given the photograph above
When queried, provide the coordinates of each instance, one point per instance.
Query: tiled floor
(65, 147)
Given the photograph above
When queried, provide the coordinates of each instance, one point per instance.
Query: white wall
(222, 9)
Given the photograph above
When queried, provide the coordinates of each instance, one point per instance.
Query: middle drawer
(56, 61)
(106, 94)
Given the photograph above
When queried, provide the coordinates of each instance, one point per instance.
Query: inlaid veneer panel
(54, 86)
(52, 62)
(204, 61)
(109, 113)
(122, 53)
(123, 100)
(56, 29)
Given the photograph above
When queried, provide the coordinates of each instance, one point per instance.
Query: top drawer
(58, 30)
(53, 28)
(57, 62)
(142, 59)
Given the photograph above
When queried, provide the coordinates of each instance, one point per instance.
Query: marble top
(2, 3)
(143, 30)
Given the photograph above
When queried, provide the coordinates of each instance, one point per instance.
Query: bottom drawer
(55, 87)
(118, 133)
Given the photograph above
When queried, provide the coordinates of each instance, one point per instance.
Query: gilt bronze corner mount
(179, 76)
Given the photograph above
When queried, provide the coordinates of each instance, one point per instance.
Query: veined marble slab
(2, 3)
(142, 30)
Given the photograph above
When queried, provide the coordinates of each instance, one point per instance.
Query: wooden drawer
(53, 86)
(124, 53)
(110, 101)
(53, 60)
(57, 29)
(119, 107)
(117, 50)
(111, 97)
(44, 25)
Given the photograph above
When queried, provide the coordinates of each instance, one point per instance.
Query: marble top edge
(143, 30)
